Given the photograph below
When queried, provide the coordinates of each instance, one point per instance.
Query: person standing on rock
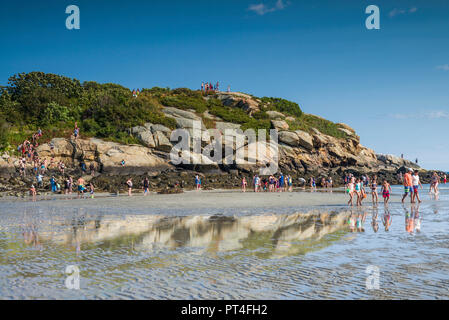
(92, 168)
(130, 186)
(39, 178)
(408, 185)
(76, 131)
(53, 184)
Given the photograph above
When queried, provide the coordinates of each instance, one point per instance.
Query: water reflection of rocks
(264, 235)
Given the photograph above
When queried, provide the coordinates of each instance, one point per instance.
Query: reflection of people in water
(408, 221)
(360, 221)
(387, 219)
(416, 218)
(31, 237)
(374, 222)
(351, 222)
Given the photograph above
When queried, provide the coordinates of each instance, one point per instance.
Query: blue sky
(391, 85)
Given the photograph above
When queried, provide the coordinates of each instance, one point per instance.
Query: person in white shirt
(416, 185)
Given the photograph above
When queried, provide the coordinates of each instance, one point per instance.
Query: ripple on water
(241, 254)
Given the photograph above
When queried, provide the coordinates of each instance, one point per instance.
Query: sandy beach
(211, 199)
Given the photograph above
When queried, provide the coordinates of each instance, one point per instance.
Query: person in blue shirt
(281, 182)
(53, 184)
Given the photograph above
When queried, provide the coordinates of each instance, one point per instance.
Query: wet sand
(223, 245)
(215, 199)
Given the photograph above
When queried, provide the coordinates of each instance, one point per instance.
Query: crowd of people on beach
(272, 183)
(357, 187)
(41, 166)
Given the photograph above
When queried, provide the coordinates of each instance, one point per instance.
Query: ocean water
(301, 253)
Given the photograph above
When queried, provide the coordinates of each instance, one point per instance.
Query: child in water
(386, 189)
(350, 191)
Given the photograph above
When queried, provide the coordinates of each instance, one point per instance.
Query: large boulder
(319, 139)
(138, 159)
(178, 113)
(146, 137)
(63, 149)
(274, 115)
(7, 167)
(289, 138)
(239, 100)
(222, 126)
(161, 142)
(305, 139)
(279, 125)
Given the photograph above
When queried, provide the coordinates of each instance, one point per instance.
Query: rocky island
(118, 127)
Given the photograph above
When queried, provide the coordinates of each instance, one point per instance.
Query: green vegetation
(308, 121)
(55, 103)
(282, 105)
(4, 134)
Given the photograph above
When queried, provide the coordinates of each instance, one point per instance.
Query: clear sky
(391, 85)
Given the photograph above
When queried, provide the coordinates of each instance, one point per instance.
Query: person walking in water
(435, 180)
(374, 194)
(386, 190)
(416, 185)
(350, 190)
(408, 185)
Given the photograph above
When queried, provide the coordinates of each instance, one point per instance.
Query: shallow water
(289, 253)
